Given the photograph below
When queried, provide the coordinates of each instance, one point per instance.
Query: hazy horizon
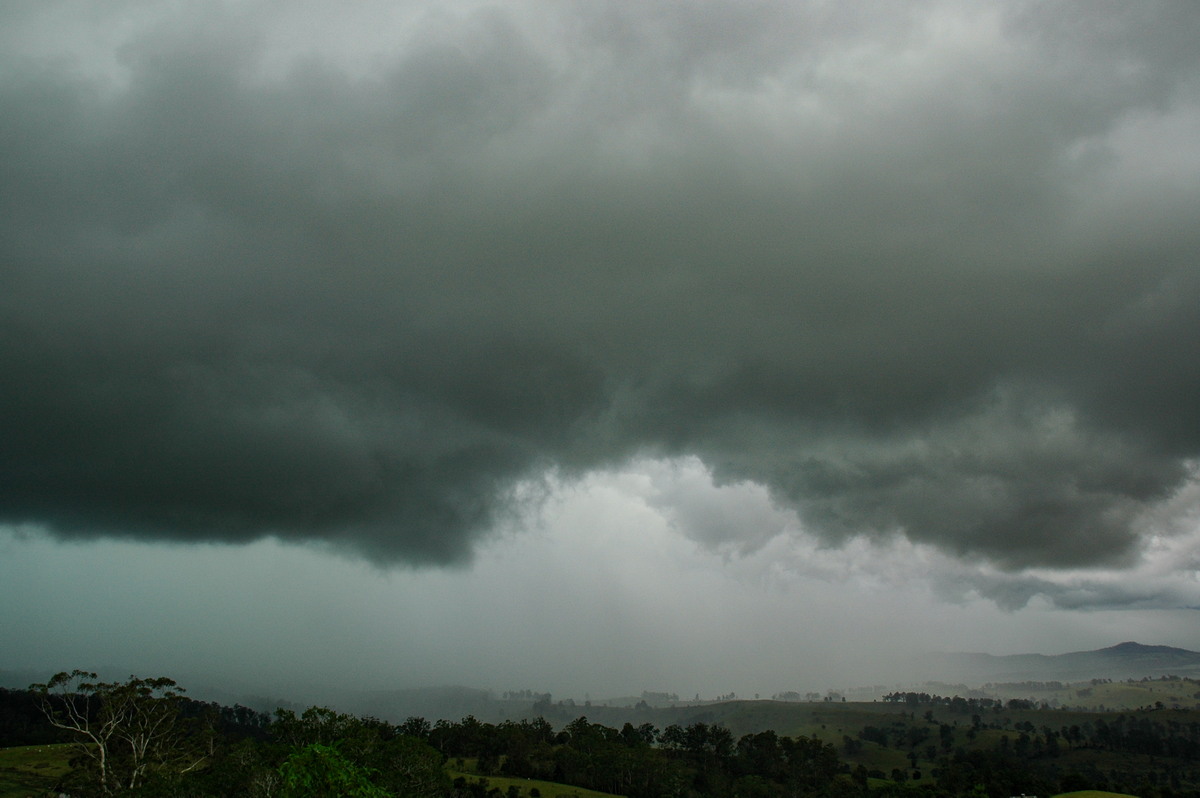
(596, 347)
(207, 686)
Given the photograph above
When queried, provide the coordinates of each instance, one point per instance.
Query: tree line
(145, 737)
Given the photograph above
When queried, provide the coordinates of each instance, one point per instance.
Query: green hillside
(1146, 742)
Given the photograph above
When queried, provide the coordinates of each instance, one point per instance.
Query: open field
(929, 732)
(1104, 696)
(547, 789)
(32, 769)
(830, 719)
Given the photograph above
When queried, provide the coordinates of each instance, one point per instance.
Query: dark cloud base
(365, 309)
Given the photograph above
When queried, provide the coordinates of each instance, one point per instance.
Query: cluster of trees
(1126, 733)
(1165, 750)
(699, 759)
(1168, 737)
(128, 732)
(792, 695)
(659, 697)
(955, 703)
(144, 737)
(525, 695)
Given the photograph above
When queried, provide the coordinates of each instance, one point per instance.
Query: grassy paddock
(32, 769)
(548, 789)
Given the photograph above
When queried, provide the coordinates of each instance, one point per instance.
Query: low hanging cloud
(359, 276)
(762, 544)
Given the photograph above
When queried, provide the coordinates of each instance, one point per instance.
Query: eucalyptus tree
(124, 732)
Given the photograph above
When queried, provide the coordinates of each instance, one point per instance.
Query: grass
(1093, 794)
(832, 721)
(548, 789)
(1120, 696)
(32, 770)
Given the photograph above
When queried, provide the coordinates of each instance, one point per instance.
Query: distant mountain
(1122, 661)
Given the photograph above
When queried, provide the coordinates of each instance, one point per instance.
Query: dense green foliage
(915, 745)
(318, 770)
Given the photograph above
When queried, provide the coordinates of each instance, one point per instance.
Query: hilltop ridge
(1121, 661)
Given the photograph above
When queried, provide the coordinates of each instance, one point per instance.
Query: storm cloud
(370, 276)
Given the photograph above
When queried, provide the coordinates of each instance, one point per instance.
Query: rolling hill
(1122, 661)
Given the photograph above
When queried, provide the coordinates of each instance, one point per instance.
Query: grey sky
(899, 295)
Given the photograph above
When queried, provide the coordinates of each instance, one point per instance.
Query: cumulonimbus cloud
(932, 273)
